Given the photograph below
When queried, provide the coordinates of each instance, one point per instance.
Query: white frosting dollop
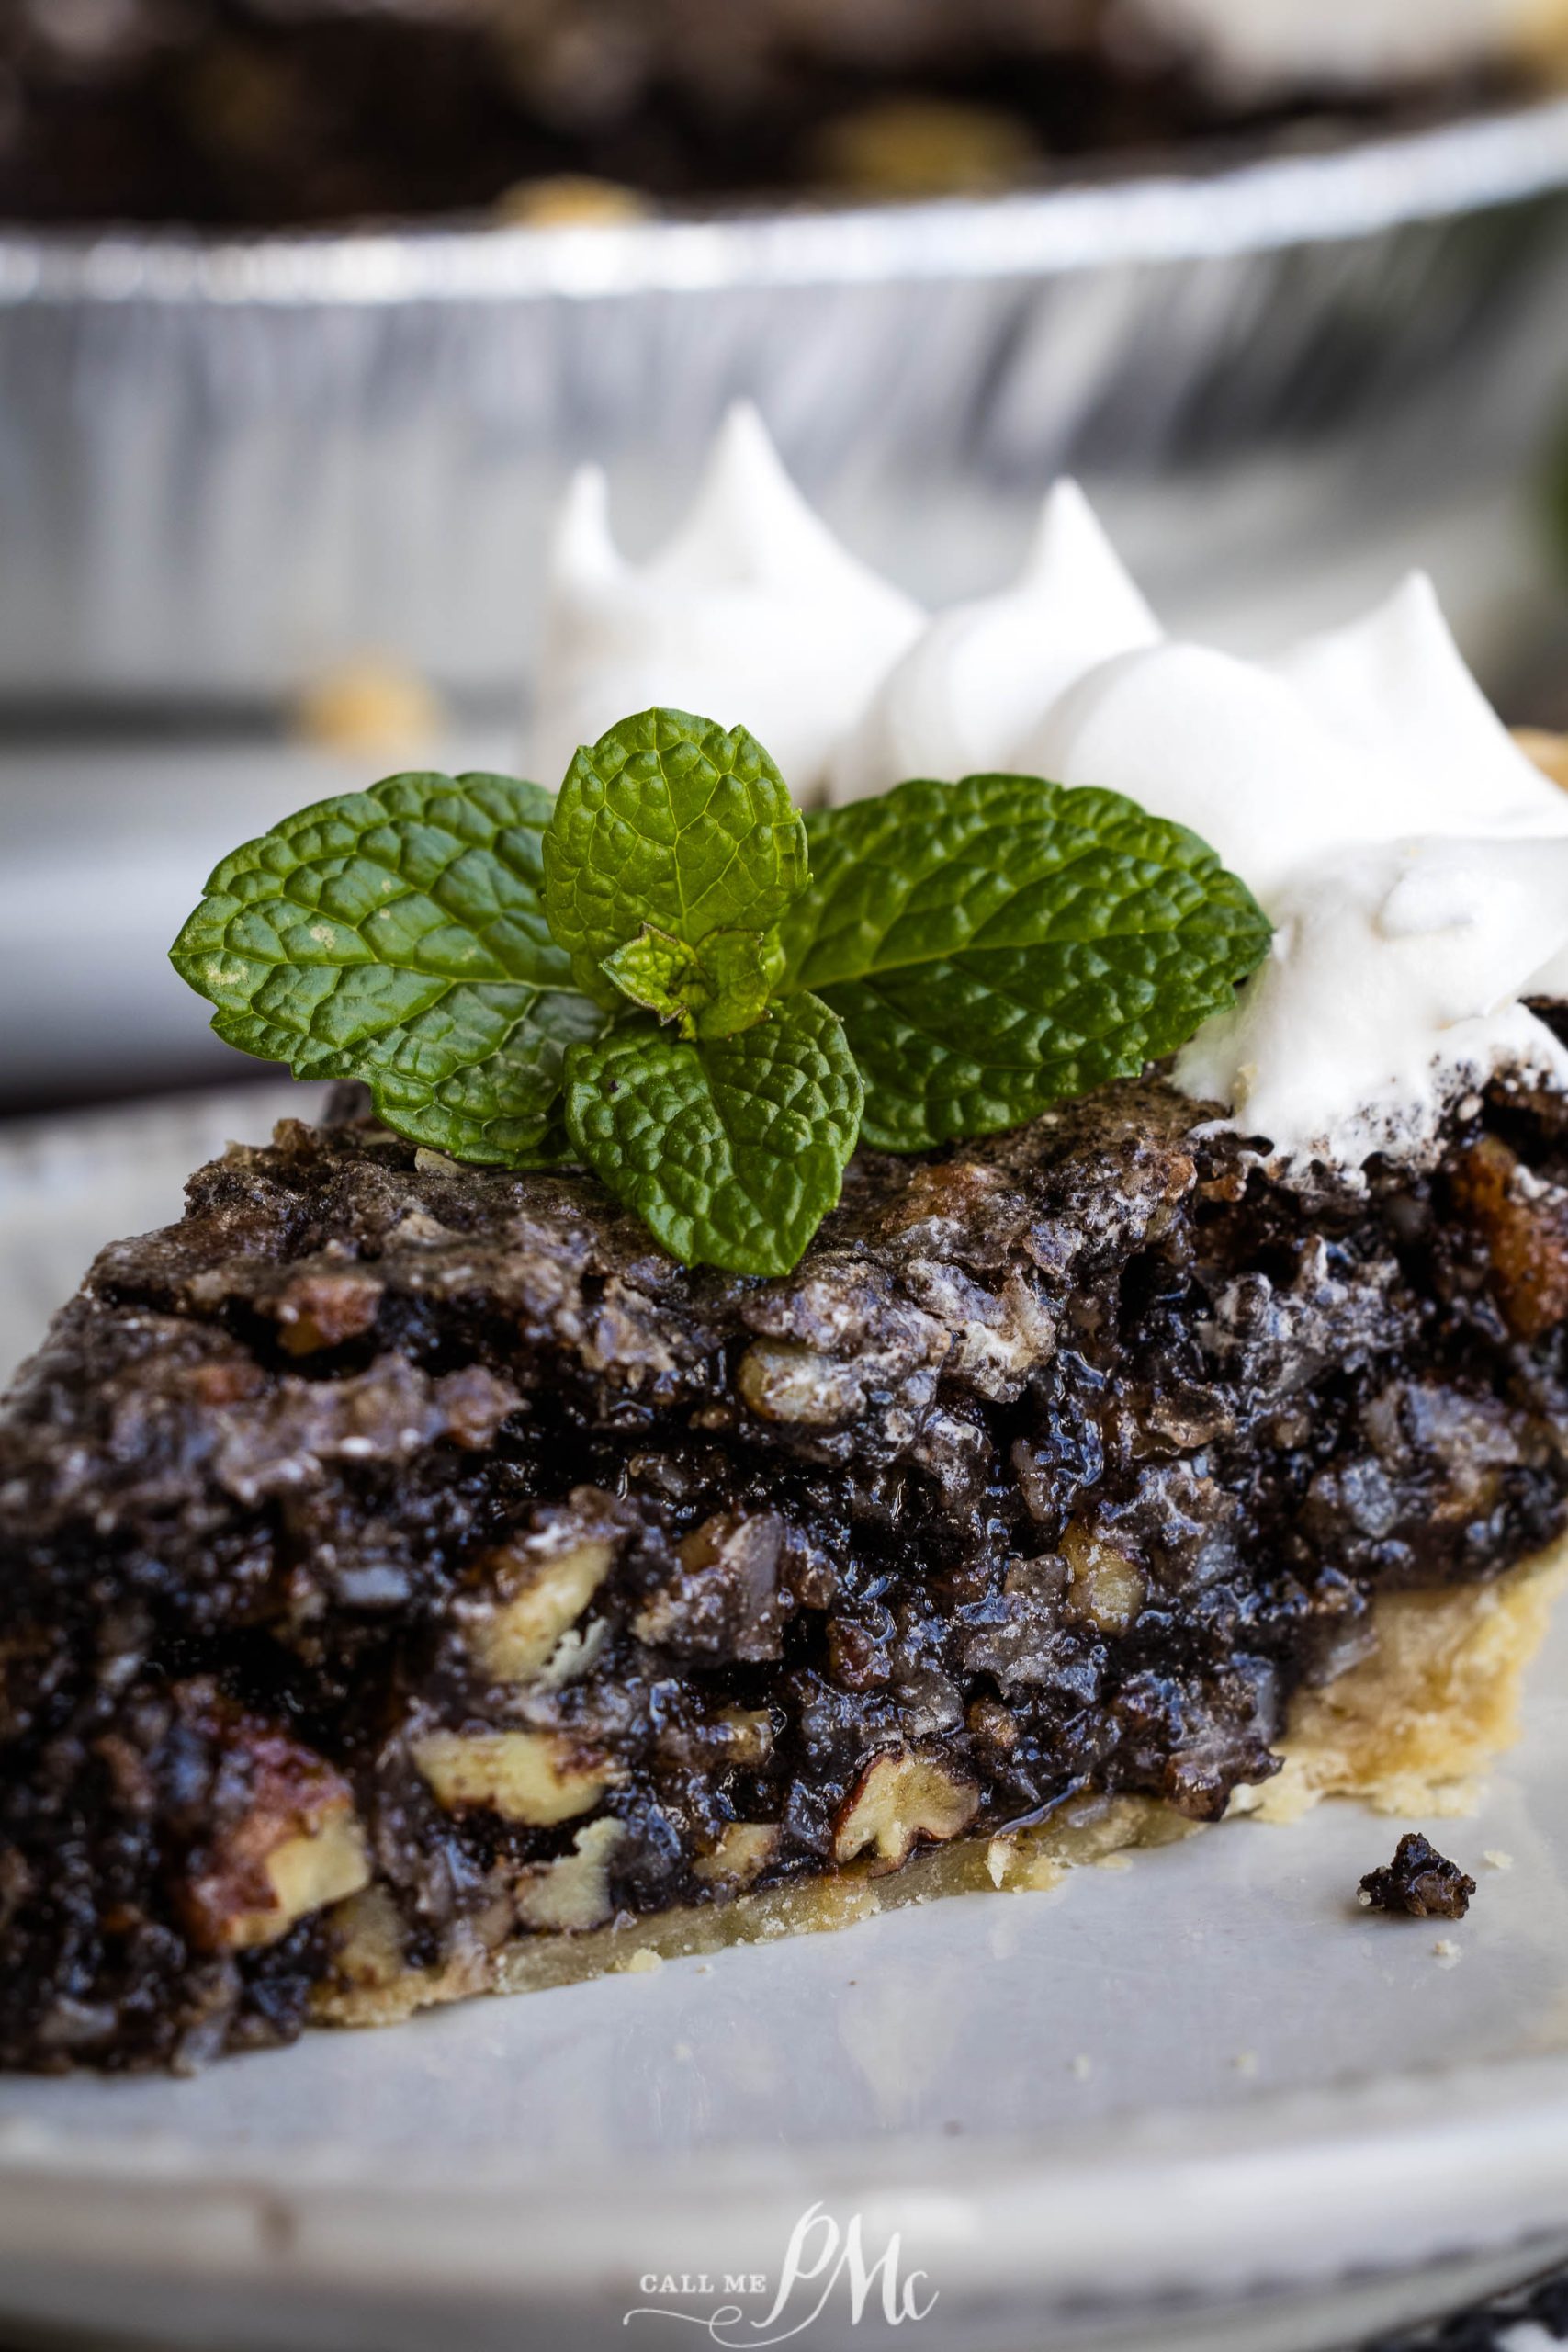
(1413, 860)
(1364, 734)
(752, 614)
(982, 675)
(1391, 986)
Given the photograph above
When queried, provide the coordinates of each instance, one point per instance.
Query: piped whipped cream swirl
(1413, 860)
(752, 613)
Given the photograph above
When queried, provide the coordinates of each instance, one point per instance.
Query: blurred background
(309, 307)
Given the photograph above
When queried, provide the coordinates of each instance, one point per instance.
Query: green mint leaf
(732, 1150)
(658, 973)
(711, 992)
(997, 944)
(398, 935)
(670, 824)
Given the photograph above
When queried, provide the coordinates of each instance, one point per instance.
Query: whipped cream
(981, 676)
(1413, 860)
(752, 614)
(1392, 987)
(1361, 735)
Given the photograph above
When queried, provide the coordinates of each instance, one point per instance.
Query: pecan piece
(742, 1853)
(1523, 1226)
(572, 1893)
(295, 1846)
(900, 1798)
(1108, 1591)
(535, 1588)
(321, 1310)
(535, 1777)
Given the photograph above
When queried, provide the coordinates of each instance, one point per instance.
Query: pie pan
(227, 466)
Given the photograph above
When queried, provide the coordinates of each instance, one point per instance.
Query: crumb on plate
(1419, 1882)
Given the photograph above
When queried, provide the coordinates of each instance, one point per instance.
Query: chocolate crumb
(1419, 1882)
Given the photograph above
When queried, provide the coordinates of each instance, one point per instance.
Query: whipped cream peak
(1358, 735)
(753, 613)
(981, 675)
(750, 527)
(584, 561)
(1395, 683)
(1218, 744)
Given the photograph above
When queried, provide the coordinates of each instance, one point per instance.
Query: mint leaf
(670, 824)
(658, 974)
(996, 944)
(711, 993)
(398, 935)
(732, 1151)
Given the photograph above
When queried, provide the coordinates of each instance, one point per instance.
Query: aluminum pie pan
(1257, 203)
(228, 465)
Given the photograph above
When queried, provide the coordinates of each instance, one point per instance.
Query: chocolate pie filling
(411, 1556)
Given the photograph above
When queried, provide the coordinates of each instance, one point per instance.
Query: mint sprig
(997, 944)
(398, 935)
(647, 959)
(708, 992)
(669, 826)
(732, 1151)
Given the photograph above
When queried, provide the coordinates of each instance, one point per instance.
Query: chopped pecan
(538, 1777)
(534, 1588)
(741, 1855)
(295, 1845)
(900, 1798)
(572, 1893)
(1107, 1589)
(783, 1381)
(320, 1310)
(1523, 1226)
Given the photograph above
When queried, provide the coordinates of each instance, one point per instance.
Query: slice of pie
(417, 1584)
